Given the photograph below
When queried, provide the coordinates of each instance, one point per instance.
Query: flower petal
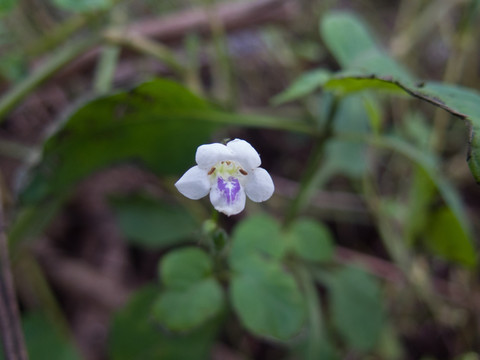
(228, 196)
(259, 186)
(244, 153)
(194, 184)
(208, 155)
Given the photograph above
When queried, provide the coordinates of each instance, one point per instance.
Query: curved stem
(314, 173)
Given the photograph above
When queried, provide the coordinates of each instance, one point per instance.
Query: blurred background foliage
(367, 116)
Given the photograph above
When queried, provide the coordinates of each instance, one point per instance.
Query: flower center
(227, 169)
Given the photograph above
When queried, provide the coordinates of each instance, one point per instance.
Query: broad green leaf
(82, 5)
(258, 236)
(181, 268)
(356, 306)
(354, 47)
(268, 301)
(159, 123)
(135, 335)
(138, 125)
(184, 309)
(310, 240)
(191, 295)
(152, 223)
(44, 341)
(304, 85)
(445, 237)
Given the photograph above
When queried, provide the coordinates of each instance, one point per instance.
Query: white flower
(227, 172)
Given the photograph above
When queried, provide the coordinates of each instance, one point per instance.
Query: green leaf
(134, 334)
(182, 268)
(354, 47)
(141, 124)
(311, 240)
(421, 194)
(6, 6)
(44, 341)
(192, 295)
(304, 85)
(152, 223)
(459, 101)
(82, 5)
(356, 306)
(257, 237)
(445, 237)
(268, 301)
(184, 309)
(345, 157)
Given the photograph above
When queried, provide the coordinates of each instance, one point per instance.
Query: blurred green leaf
(191, 295)
(354, 47)
(6, 6)
(140, 124)
(461, 102)
(345, 157)
(135, 335)
(445, 237)
(428, 163)
(184, 267)
(13, 66)
(310, 240)
(268, 301)
(82, 5)
(258, 236)
(184, 309)
(357, 307)
(304, 85)
(44, 341)
(422, 192)
(152, 223)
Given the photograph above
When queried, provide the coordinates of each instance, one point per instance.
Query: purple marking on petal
(229, 188)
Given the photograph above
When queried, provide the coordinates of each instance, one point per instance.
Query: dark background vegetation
(84, 266)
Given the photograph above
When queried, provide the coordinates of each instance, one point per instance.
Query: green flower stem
(107, 63)
(225, 78)
(10, 325)
(50, 67)
(105, 70)
(314, 173)
(314, 314)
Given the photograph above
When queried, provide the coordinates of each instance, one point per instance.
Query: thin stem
(314, 174)
(50, 67)
(146, 46)
(315, 319)
(10, 326)
(226, 88)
